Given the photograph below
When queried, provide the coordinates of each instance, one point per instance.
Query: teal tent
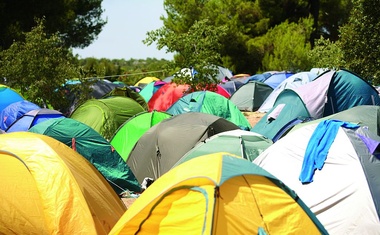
(329, 93)
(94, 148)
(131, 131)
(106, 115)
(212, 103)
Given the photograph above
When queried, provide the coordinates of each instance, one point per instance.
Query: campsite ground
(253, 118)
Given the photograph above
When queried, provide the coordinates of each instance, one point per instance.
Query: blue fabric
(318, 147)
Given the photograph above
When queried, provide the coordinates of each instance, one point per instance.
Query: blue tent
(276, 78)
(14, 111)
(32, 118)
(8, 96)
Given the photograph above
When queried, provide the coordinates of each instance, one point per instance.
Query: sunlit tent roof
(246, 144)
(164, 144)
(8, 96)
(151, 88)
(212, 103)
(334, 168)
(33, 117)
(145, 81)
(106, 115)
(48, 188)
(14, 111)
(131, 131)
(218, 194)
(167, 95)
(91, 145)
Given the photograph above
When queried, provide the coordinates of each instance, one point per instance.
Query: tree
(38, 67)
(285, 47)
(77, 21)
(246, 20)
(360, 40)
(197, 48)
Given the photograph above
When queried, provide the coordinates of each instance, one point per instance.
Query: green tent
(106, 115)
(94, 148)
(211, 103)
(128, 92)
(130, 132)
(245, 144)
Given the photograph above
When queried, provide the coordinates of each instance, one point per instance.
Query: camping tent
(218, 194)
(212, 103)
(293, 81)
(167, 95)
(334, 170)
(127, 92)
(245, 144)
(151, 88)
(329, 93)
(8, 96)
(164, 144)
(91, 145)
(277, 78)
(14, 111)
(33, 117)
(48, 188)
(145, 81)
(251, 95)
(107, 115)
(231, 86)
(130, 132)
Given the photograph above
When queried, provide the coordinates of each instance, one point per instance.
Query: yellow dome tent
(145, 81)
(48, 188)
(218, 194)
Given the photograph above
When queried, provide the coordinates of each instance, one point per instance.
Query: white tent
(344, 194)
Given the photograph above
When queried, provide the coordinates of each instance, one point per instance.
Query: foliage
(326, 54)
(196, 48)
(246, 20)
(77, 21)
(285, 47)
(38, 67)
(360, 40)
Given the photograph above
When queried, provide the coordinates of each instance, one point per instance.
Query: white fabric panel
(339, 194)
(314, 94)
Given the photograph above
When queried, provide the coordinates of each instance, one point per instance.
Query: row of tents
(208, 171)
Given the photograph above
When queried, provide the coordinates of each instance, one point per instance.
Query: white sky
(128, 23)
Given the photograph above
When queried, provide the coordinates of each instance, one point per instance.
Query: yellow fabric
(74, 198)
(243, 204)
(146, 80)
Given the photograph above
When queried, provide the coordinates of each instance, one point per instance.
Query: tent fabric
(51, 189)
(288, 106)
(212, 103)
(33, 117)
(8, 96)
(218, 194)
(159, 148)
(245, 144)
(151, 88)
(167, 95)
(277, 78)
(344, 195)
(106, 115)
(130, 132)
(145, 81)
(231, 86)
(14, 111)
(91, 145)
(331, 92)
(291, 82)
(127, 92)
(251, 96)
(364, 115)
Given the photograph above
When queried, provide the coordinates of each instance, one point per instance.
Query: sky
(128, 21)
